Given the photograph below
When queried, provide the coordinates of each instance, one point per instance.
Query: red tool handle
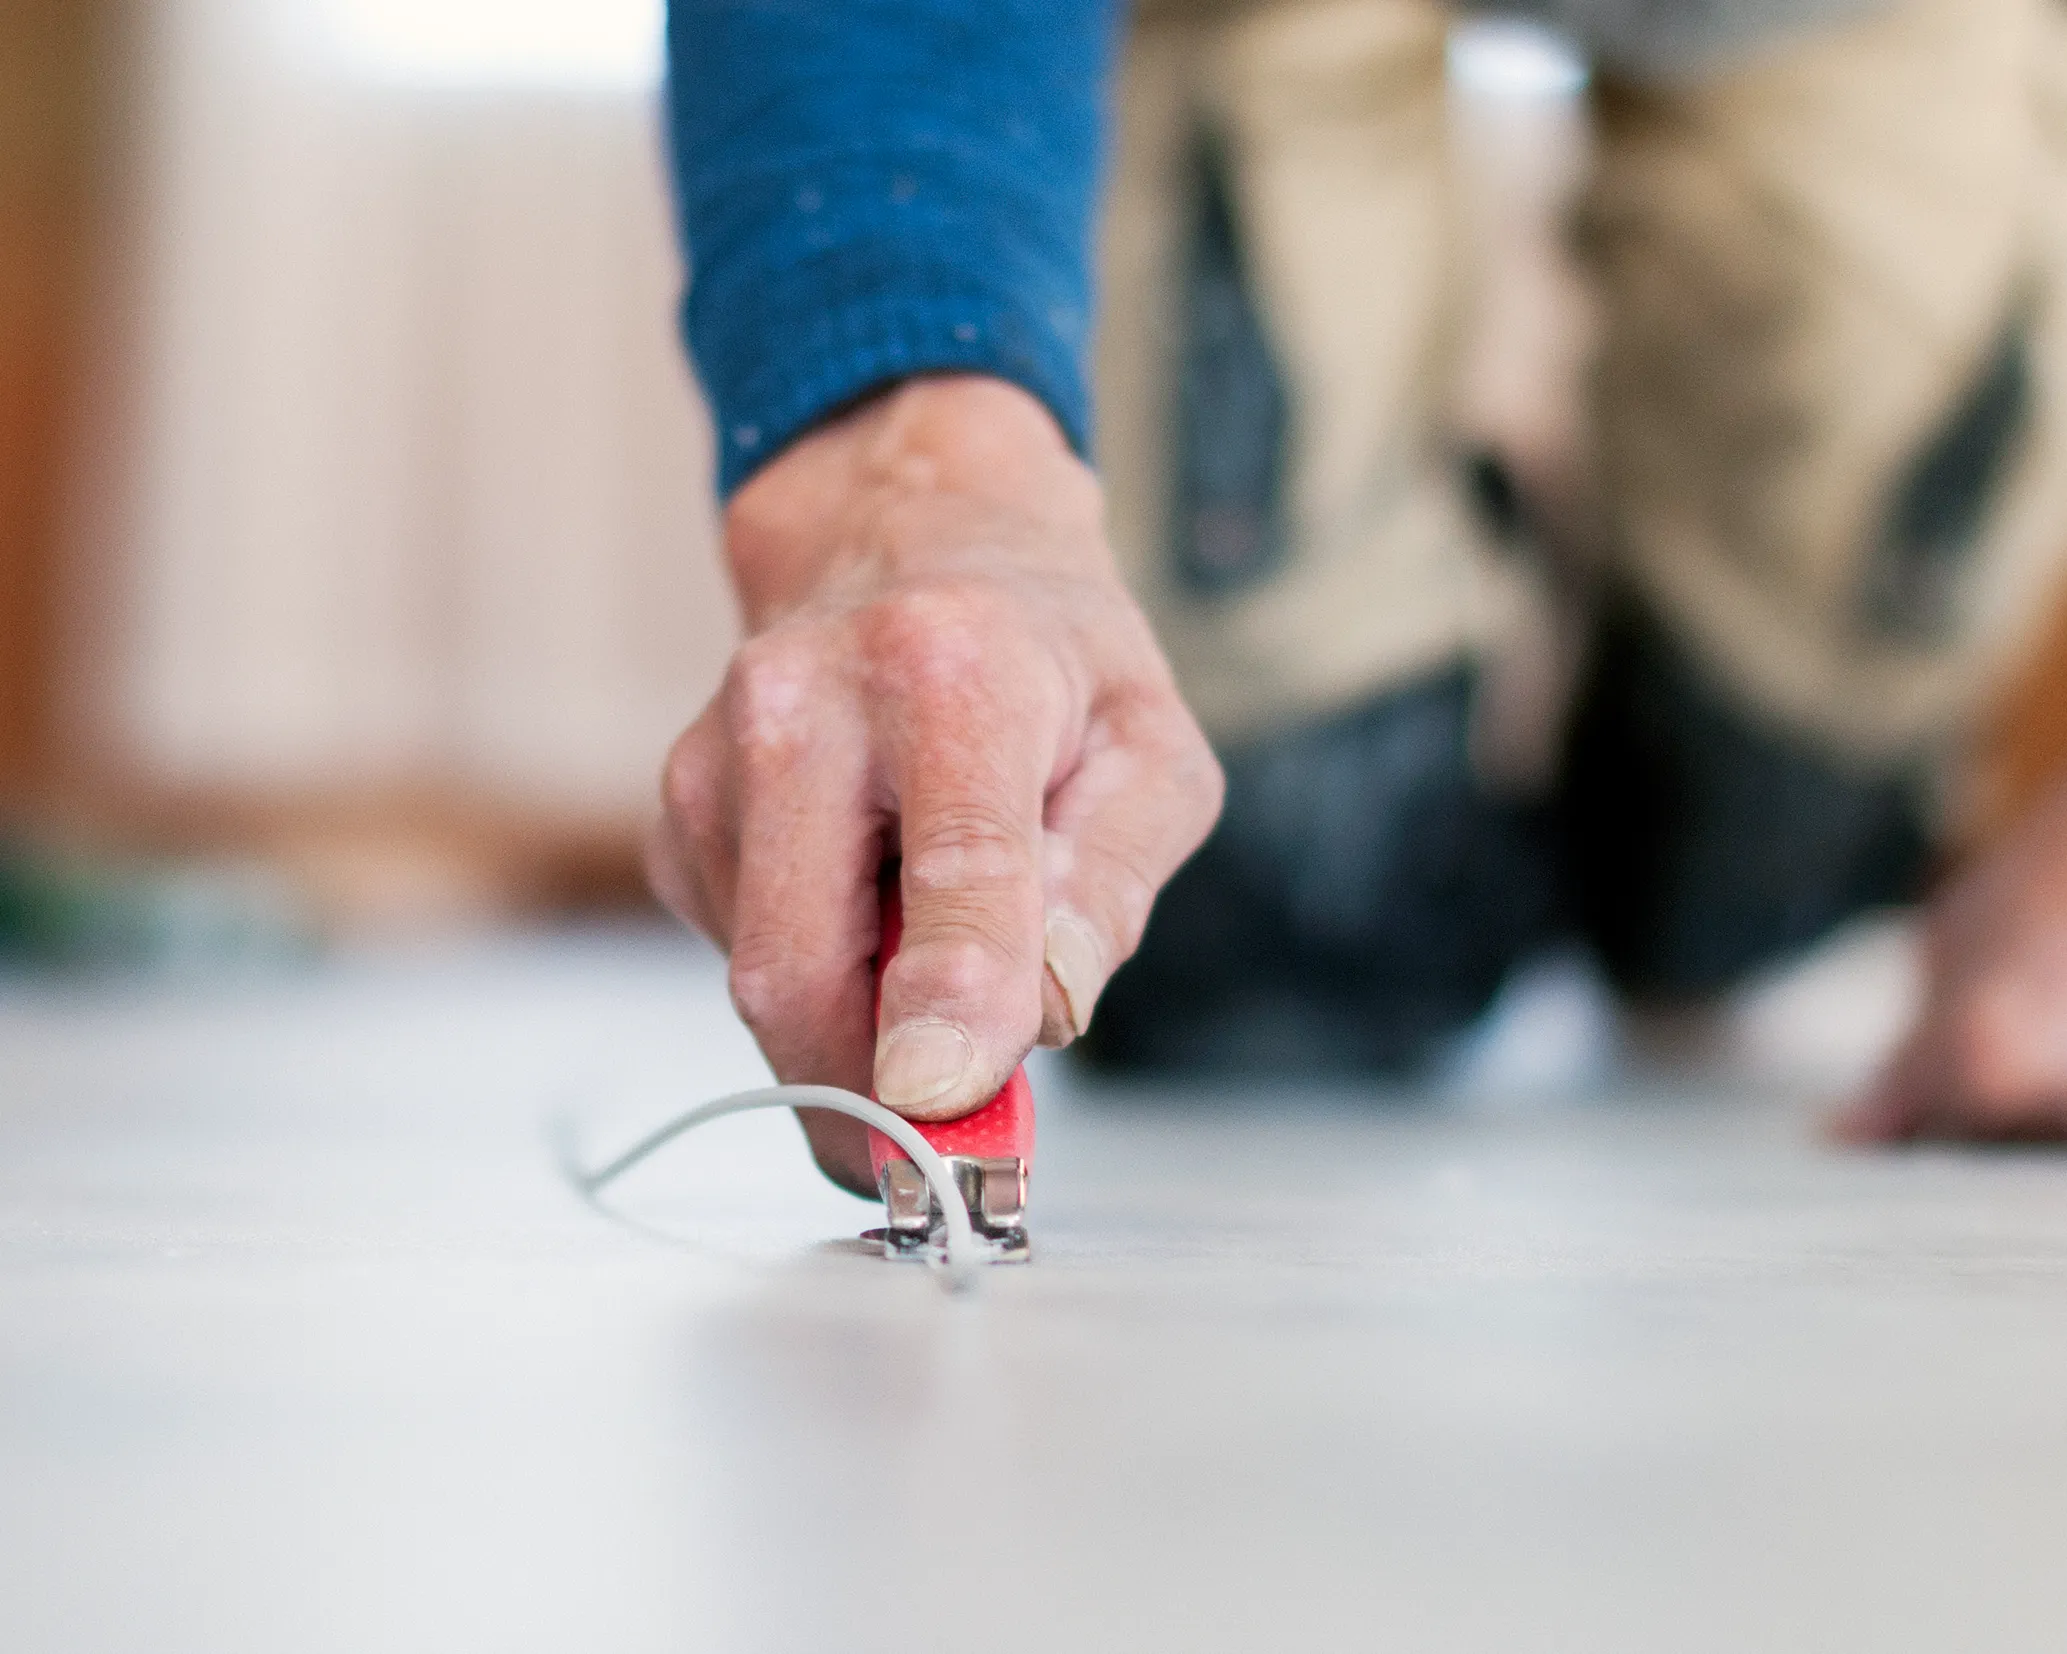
(1003, 1128)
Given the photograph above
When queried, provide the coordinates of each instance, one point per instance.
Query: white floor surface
(305, 1345)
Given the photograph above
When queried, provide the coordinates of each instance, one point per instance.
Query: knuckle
(958, 966)
(1195, 792)
(936, 641)
(698, 838)
(1156, 723)
(969, 845)
(768, 697)
(673, 882)
(1190, 783)
(764, 982)
(688, 779)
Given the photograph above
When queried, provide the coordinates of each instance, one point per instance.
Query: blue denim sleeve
(870, 189)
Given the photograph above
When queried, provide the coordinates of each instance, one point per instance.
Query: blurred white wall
(409, 477)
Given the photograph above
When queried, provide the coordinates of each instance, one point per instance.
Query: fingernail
(1077, 963)
(921, 1063)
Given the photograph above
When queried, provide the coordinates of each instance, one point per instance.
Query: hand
(942, 664)
(1987, 1056)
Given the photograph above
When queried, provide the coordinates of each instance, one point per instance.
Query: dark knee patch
(1942, 502)
(1495, 497)
(1362, 898)
(1702, 844)
(1227, 526)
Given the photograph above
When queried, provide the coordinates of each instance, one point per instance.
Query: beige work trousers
(1812, 264)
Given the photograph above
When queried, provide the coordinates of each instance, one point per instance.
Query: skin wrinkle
(991, 769)
(986, 776)
(961, 867)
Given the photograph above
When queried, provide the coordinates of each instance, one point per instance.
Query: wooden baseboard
(377, 861)
(51, 115)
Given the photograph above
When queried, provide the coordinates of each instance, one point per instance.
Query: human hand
(1986, 1058)
(941, 664)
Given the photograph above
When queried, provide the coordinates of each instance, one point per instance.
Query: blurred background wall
(383, 543)
(418, 487)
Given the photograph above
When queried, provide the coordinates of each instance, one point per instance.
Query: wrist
(818, 507)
